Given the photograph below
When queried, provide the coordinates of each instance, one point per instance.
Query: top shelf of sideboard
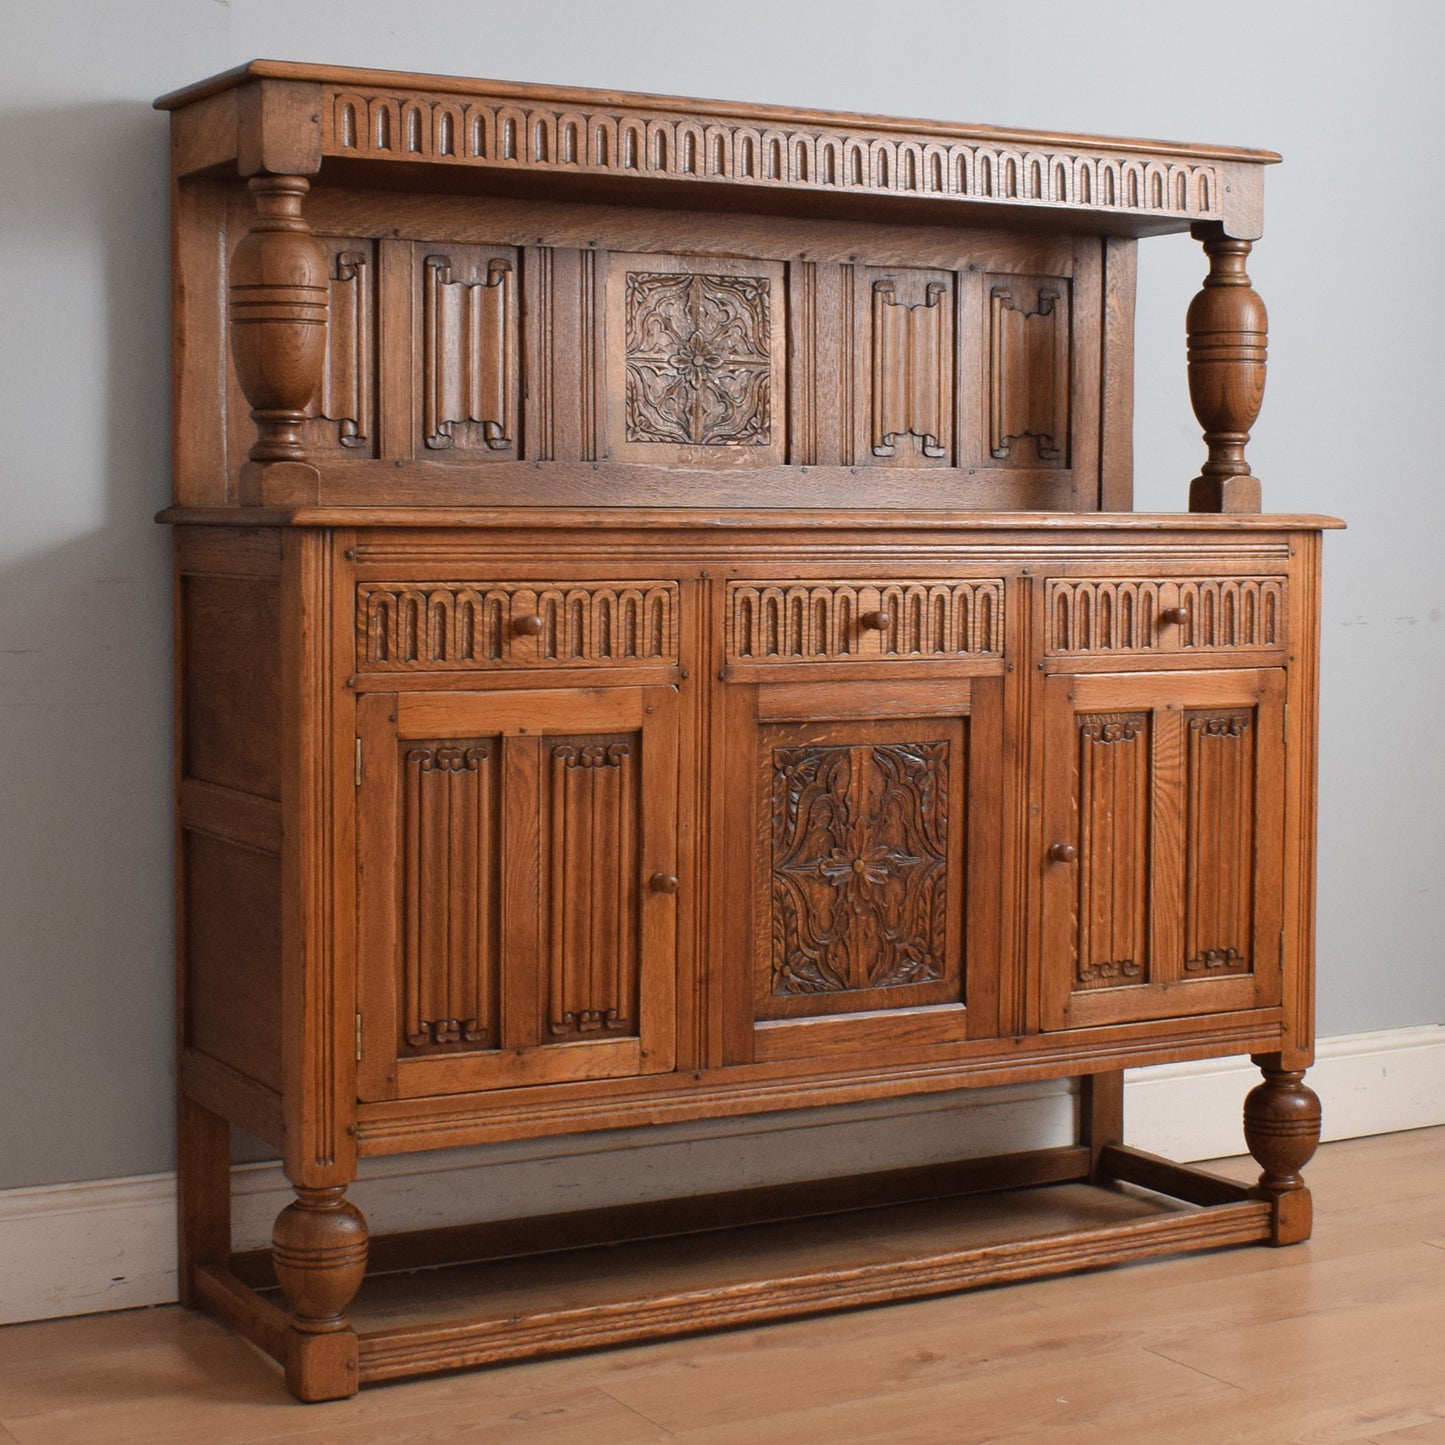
(386, 128)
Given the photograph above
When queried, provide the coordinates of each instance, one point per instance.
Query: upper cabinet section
(470, 294)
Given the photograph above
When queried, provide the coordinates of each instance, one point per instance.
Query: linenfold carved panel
(1219, 861)
(1029, 352)
(693, 145)
(341, 419)
(821, 621)
(592, 831)
(1113, 912)
(1088, 615)
(912, 378)
(696, 360)
(459, 626)
(470, 356)
(347, 383)
(859, 865)
(450, 887)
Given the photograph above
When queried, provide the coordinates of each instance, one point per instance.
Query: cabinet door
(862, 863)
(1163, 846)
(517, 889)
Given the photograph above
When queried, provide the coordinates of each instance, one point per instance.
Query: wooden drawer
(476, 626)
(1090, 616)
(805, 621)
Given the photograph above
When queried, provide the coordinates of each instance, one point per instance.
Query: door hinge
(1281, 948)
(358, 762)
(1286, 722)
(358, 1038)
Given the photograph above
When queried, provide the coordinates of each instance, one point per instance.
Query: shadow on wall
(85, 850)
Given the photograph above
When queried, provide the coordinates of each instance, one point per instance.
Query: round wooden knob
(1174, 614)
(1063, 853)
(663, 882)
(527, 626)
(874, 621)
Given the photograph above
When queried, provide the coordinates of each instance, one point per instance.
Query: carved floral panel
(696, 352)
(698, 369)
(859, 865)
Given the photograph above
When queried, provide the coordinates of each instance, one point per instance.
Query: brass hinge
(358, 1038)
(358, 762)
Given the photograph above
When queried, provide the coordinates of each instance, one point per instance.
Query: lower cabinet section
(750, 839)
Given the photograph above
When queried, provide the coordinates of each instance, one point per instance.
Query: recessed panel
(859, 892)
(696, 360)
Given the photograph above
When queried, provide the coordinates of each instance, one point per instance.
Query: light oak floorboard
(1336, 1341)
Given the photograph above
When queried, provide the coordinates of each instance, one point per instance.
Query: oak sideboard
(662, 634)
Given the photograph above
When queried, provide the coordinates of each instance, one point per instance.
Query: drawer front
(1088, 616)
(465, 626)
(866, 620)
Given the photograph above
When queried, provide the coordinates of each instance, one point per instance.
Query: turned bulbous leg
(1282, 1129)
(318, 1247)
(1228, 338)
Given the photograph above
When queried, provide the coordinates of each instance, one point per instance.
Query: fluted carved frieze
(695, 146)
(458, 626)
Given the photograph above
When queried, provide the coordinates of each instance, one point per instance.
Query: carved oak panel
(1113, 899)
(592, 824)
(696, 360)
(1029, 370)
(346, 406)
(857, 905)
(449, 880)
(471, 358)
(906, 411)
(1219, 848)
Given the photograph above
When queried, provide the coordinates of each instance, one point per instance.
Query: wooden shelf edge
(421, 1349)
(700, 1214)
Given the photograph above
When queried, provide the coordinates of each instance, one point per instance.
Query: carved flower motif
(698, 359)
(873, 865)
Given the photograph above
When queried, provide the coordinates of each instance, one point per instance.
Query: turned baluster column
(1228, 330)
(1282, 1130)
(280, 287)
(318, 1248)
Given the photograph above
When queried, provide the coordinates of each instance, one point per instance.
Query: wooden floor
(1341, 1339)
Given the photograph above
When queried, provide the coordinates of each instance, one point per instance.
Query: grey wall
(1348, 92)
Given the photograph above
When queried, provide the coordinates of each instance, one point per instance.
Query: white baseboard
(110, 1244)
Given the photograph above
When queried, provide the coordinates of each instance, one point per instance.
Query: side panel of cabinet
(861, 876)
(517, 862)
(1164, 817)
